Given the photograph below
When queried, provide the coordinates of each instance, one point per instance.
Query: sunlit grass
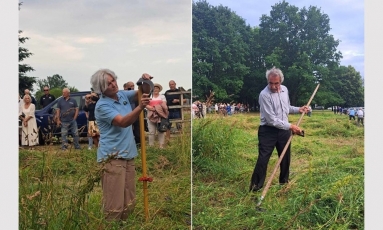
(326, 189)
(62, 189)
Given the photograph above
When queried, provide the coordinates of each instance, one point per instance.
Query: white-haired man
(274, 130)
(66, 115)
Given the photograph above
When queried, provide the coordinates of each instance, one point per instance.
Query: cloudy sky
(76, 38)
(346, 21)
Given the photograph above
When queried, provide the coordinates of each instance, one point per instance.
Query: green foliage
(326, 176)
(219, 51)
(54, 81)
(214, 147)
(25, 82)
(230, 58)
(62, 190)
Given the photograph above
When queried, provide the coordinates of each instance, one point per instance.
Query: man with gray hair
(66, 115)
(274, 130)
(117, 148)
(129, 85)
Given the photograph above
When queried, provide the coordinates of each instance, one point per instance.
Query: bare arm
(75, 114)
(130, 118)
(58, 122)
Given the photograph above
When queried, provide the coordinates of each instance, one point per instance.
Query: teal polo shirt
(114, 139)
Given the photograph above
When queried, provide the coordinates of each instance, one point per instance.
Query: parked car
(45, 118)
(319, 107)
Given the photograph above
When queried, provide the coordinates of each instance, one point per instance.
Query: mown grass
(62, 190)
(326, 189)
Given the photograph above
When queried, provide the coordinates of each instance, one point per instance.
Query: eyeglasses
(46, 89)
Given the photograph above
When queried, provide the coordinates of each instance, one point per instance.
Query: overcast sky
(75, 38)
(346, 22)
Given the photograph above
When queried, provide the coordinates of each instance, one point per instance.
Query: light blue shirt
(275, 108)
(352, 112)
(115, 140)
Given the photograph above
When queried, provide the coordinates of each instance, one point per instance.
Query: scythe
(144, 86)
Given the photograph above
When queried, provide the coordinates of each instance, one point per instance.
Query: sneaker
(89, 148)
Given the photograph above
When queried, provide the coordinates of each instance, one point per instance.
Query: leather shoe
(254, 188)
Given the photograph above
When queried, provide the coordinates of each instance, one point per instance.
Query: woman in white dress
(157, 108)
(29, 132)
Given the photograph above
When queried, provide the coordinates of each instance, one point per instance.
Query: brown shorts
(93, 129)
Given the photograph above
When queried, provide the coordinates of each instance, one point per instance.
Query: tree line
(230, 58)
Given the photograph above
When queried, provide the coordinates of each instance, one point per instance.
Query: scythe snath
(144, 86)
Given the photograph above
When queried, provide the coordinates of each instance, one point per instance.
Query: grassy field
(62, 190)
(326, 189)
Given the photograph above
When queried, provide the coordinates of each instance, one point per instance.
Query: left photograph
(104, 115)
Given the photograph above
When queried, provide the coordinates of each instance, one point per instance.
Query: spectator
(93, 131)
(232, 108)
(195, 110)
(172, 100)
(351, 114)
(136, 125)
(21, 103)
(228, 109)
(30, 133)
(46, 98)
(117, 148)
(129, 85)
(26, 91)
(204, 109)
(275, 129)
(66, 115)
(216, 108)
(200, 109)
(157, 108)
(309, 111)
(360, 115)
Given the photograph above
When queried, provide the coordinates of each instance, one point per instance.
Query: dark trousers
(269, 138)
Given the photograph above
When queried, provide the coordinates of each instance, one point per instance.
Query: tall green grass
(326, 175)
(62, 190)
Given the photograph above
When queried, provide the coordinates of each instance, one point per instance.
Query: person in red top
(157, 108)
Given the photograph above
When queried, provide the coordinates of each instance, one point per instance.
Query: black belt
(123, 159)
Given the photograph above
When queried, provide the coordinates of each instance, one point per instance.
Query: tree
(231, 58)
(54, 81)
(299, 43)
(219, 51)
(350, 86)
(25, 82)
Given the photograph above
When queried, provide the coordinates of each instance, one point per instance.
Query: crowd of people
(200, 109)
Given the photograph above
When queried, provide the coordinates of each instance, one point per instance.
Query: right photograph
(278, 115)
